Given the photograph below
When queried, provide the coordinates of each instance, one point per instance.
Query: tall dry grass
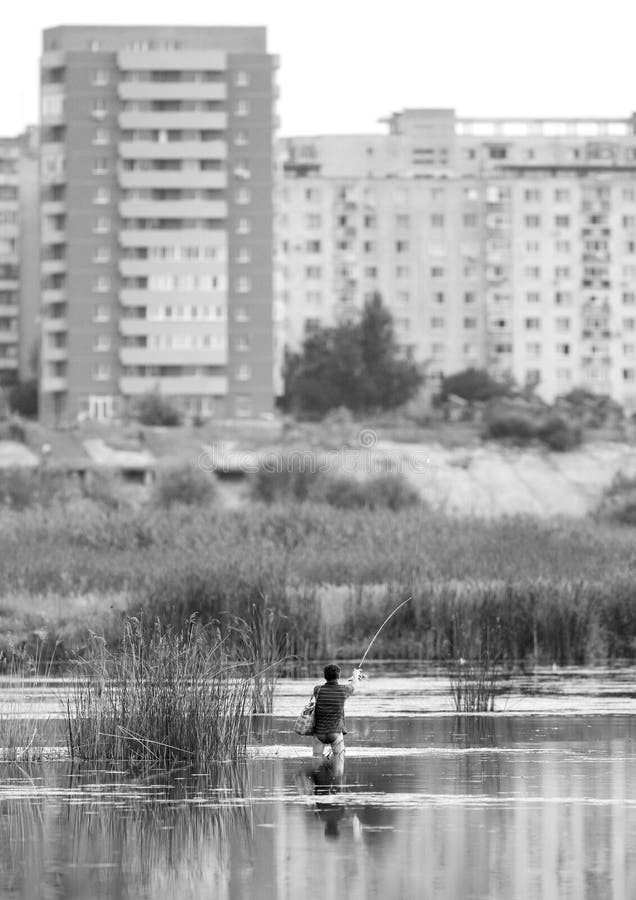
(163, 697)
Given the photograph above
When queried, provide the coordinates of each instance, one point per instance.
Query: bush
(619, 500)
(284, 479)
(385, 491)
(558, 434)
(13, 431)
(153, 409)
(23, 399)
(185, 484)
(472, 385)
(22, 488)
(512, 425)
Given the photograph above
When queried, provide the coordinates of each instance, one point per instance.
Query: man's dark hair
(332, 672)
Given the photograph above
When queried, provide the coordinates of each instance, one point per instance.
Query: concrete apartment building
(156, 220)
(19, 276)
(508, 244)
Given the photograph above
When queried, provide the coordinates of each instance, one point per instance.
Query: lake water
(537, 801)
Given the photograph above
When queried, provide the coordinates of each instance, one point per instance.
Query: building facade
(156, 220)
(19, 277)
(505, 244)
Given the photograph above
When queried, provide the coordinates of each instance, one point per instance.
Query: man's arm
(352, 682)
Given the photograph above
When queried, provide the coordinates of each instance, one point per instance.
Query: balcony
(173, 149)
(8, 363)
(54, 326)
(173, 121)
(172, 60)
(146, 237)
(131, 268)
(53, 207)
(146, 356)
(8, 337)
(141, 297)
(146, 327)
(8, 309)
(53, 266)
(174, 386)
(53, 295)
(159, 178)
(172, 90)
(173, 209)
(54, 354)
(52, 235)
(54, 384)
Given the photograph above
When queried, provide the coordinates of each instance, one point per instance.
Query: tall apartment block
(19, 279)
(505, 244)
(156, 220)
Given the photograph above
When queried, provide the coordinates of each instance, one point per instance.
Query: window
(314, 298)
(532, 221)
(437, 271)
(403, 297)
(469, 297)
(241, 314)
(629, 298)
(563, 349)
(562, 221)
(243, 226)
(402, 272)
(241, 139)
(533, 297)
(100, 166)
(438, 296)
(533, 349)
(470, 220)
(629, 221)
(532, 324)
(629, 324)
(470, 322)
(562, 323)
(244, 372)
(242, 78)
(101, 313)
(370, 271)
(313, 272)
(243, 196)
(242, 343)
(368, 246)
(101, 343)
(533, 246)
(629, 374)
(563, 298)
(100, 77)
(437, 349)
(498, 151)
(437, 322)
(101, 254)
(561, 195)
(563, 246)
(401, 246)
(101, 196)
(102, 136)
(99, 109)
(562, 272)
(532, 272)
(437, 220)
(313, 220)
(101, 284)
(532, 195)
(243, 255)
(242, 108)
(101, 372)
(402, 221)
(102, 225)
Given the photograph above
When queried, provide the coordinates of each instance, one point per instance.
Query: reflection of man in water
(323, 780)
(330, 730)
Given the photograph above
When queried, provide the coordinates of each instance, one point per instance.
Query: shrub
(619, 500)
(512, 425)
(384, 491)
(472, 385)
(153, 409)
(21, 488)
(558, 434)
(284, 479)
(184, 484)
(23, 398)
(13, 431)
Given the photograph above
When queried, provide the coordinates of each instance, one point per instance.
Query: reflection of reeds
(115, 837)
(164, 697)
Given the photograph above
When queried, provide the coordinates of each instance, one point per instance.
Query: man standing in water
(330, 724)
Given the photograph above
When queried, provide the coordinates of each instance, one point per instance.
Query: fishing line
(390, 615)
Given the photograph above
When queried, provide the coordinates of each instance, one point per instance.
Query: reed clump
(163, 697)
(475, 683)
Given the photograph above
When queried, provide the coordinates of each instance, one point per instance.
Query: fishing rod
(390, 615)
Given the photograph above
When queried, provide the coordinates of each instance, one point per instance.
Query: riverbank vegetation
(556, 591)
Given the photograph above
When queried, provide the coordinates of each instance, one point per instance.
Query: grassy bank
(559, 591)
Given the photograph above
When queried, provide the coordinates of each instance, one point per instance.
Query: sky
(345, 64)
